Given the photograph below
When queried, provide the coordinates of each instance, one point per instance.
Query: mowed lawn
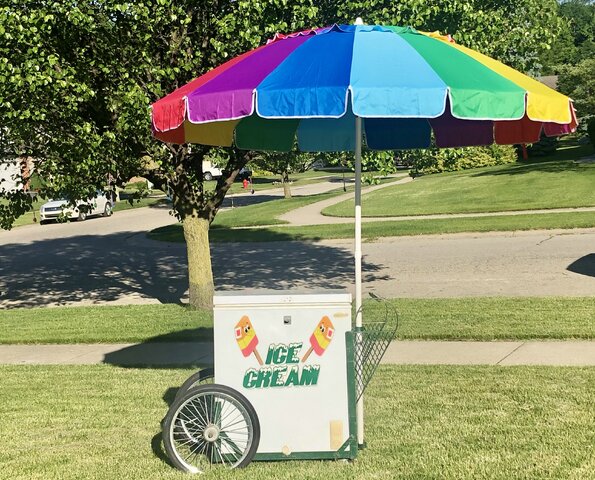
(493, 318)
(102, 422)
(545, 185)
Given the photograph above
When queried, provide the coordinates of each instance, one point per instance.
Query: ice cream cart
(288, 372)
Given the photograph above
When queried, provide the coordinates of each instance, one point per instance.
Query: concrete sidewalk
(554, 353)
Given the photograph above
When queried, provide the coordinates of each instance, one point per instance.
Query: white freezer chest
(286, 353)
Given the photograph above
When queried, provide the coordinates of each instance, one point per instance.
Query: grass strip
(373, 230)
(103, 422)
(487, 318)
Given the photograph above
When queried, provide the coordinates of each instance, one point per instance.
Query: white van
(210, 170)
(52, 210)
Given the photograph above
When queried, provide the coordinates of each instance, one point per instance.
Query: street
(110, 261)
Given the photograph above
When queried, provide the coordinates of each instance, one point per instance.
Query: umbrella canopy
(403, 83)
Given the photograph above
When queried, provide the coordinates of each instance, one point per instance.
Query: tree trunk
(286, 186)
(200, 275)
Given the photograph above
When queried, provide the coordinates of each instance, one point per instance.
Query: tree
(578, 82)
(76, 82)
(577, 41)
(283, 164)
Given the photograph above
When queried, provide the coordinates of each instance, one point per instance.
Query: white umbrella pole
(358, 259)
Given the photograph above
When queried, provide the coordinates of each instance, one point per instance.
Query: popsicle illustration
(320, 339)
(247, 339)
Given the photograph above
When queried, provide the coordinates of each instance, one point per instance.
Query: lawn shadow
(158, 353)
(584, 265)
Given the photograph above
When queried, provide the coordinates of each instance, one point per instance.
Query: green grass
(105, 324)
(102, 422)
(543, 185)
(373, 230)
(494, 318)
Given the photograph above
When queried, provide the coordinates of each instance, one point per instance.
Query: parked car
(99, 205)
(210, 170)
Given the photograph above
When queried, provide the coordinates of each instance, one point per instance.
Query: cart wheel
(211, 424)
(206, 376)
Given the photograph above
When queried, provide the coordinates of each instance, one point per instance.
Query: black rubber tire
(82, 217)
(208, 176)
(203, 391)
(202, 377)
(107, 211)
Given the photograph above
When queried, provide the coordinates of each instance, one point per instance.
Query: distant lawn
(494, 318)
(373, 230)
(521, 186)
(422, 422)
(267, 213)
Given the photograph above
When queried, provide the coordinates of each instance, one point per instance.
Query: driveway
(109, 261)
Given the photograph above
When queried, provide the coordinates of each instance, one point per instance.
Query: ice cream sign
(284, 365)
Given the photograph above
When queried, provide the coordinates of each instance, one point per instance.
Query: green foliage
(578, 82)
(577, 40)
(283, 163)
(141, 188)
(434, 160)
(77, 79)
(545, 146)
(513, 31)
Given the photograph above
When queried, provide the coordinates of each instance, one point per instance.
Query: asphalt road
(109, 261)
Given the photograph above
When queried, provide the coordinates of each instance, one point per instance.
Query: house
(12, 171)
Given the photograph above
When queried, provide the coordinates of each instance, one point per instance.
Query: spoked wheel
(206, 376)
(211, 425)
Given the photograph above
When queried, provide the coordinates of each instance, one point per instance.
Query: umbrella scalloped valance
(403, 83)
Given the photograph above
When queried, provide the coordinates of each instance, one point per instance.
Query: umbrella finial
(359, 21)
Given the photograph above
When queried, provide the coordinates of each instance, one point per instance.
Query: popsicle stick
(258, 357)
(305, 357)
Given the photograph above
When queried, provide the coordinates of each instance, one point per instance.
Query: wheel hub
(211, 433)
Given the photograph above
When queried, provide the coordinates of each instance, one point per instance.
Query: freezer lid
(281, 297)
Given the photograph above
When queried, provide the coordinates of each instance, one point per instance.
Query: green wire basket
(371, 343)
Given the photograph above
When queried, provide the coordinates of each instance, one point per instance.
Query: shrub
(545, 146)
(434, 160)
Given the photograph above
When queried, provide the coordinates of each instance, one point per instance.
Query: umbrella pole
(358, 260)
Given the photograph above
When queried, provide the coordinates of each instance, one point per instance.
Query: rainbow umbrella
(334, 88)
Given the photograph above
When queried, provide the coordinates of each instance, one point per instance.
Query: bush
(142, 189)
(434, 160)
(545, 146)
